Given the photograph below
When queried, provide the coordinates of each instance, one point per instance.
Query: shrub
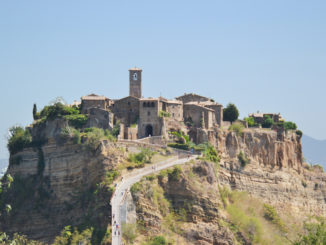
(116, 129)
(174, 175)
(237, 127)
(135, 188)
(315, 234)
(211, 154)
(250, 121)
(304, 183)
(129, 232)
(76, 120)
(163, 114)
(144, 156)
(58, 110)
(289, 126)
(94, 138)
(299, 133)
(271, 215)
(230, 113)
(268, 122)
(158, 240)
(244, 160)
(179, 146)
(19, 139)
(72, 133)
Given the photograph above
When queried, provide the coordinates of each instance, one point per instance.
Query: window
(172, 114)
(144, 104)
(152, 104)
(128, 102)
(148, 113)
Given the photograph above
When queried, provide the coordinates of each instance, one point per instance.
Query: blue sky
(261, 55)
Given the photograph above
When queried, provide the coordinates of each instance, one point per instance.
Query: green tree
(18, 139)
(290, 125)
(35, 117)
(268, 122)
(250, 121)
(230, 113)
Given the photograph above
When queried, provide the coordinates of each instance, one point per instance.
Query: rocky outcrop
(262, 146)
(56, 186)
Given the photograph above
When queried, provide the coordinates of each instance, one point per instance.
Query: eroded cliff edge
(55, 184)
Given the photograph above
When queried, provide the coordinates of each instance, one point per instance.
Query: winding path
(130, 179)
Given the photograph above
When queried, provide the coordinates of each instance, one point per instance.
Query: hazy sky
(261, 55)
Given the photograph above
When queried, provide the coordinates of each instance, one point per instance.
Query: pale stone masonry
(142, 117)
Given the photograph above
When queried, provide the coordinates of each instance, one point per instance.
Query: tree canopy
(230, 113)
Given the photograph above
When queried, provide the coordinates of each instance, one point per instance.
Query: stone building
(142, 117)
(94, 101)
(126, 110)
(135, 87)
(204, 102)
(200, 116)
(259, 117)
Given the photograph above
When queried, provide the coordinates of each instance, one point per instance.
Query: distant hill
(314, 150)
(3, 166)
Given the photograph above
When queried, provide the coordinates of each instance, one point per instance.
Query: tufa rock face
(57, 189)
(262, 147)
(196, 205)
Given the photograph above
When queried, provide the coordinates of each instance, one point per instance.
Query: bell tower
(135, 82)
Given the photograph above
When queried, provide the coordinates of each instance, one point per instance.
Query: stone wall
(218, 112)
(201, 116)
(149, 118)
(126, 110)
(175, 110)
(99, 118)
(87, 104)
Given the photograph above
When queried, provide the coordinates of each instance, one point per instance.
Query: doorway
(149, 130)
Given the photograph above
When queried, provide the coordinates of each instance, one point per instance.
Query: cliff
(60, 183)
(229, 203)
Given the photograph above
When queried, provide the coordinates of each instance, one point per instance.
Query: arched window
(148, 113)
(144, 104)
(148, 104)
(152, 104)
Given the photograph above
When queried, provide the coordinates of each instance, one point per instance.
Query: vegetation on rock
(230, 113)
(237, 127)
(19, 138)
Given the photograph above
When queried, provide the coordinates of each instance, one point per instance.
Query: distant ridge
(314, 150)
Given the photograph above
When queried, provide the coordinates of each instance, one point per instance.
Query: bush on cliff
(58, 110)
(158, 240)
(289, 125)
(244, 160)
(144, 156)
(250, 121)
(315, 233)
(237, 127)
(268, 122)
(230, 113)
(19, 139)
(77, 121)
(210, 154)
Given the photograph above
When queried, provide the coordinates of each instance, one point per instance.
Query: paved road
(124, 186)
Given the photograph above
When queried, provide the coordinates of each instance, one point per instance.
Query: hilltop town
(140, 117)
(166, 169)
